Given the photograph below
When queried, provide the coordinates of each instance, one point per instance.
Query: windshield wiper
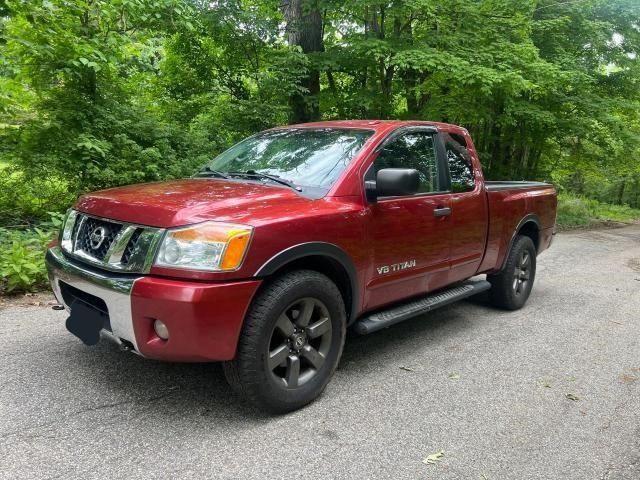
(209, 172)
(273, 178)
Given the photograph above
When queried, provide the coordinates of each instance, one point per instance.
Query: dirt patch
(41, 299)
(634, 264)
(597, 225)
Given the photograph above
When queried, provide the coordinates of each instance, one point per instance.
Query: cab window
(415, 150)
(460, 167)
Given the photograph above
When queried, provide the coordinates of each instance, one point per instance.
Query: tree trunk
(89, 80)
(621, 191)
(304, 30)
(409, 78)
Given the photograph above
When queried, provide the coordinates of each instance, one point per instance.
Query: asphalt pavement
(548, 392)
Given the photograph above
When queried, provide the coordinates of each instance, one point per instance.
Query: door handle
(441, 212)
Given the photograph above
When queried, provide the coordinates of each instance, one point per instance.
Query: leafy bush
(22, 251)
(576, 211)
(24, 200)
(573, 211)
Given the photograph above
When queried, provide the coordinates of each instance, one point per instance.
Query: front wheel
(291, 342)
(511, 287)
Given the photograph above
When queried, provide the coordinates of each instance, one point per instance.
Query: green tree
(83, 61)
(101, 93)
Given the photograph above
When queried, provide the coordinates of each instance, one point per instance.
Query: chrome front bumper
(114, 290)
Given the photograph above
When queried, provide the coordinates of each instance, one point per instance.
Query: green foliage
(25, 200)
(22, 252)
(576, 211)
(102, 93)
(85, 60)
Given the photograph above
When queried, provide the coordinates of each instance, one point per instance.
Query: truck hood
(183, 202)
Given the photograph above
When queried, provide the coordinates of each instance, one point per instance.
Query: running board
(397, 314)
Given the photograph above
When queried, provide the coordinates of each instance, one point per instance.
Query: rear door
(410, 234)
(469, 211)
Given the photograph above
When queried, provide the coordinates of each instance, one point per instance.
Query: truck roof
(376, 124)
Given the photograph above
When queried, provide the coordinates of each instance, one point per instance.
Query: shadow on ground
(201, 388)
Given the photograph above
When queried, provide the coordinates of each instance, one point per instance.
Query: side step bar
(397, 314)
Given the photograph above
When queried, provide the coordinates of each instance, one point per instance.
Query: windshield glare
(305, 156)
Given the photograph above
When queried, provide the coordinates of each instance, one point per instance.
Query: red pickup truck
(273, 249)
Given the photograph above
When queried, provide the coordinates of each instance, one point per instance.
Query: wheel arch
(326, 258)
(530, 227)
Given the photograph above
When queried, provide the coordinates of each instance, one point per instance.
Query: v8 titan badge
(395, 267)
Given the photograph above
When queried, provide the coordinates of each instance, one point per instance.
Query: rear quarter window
(459, 160)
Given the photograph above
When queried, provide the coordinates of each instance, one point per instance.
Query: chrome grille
(87, 233)
(131, 246)
(110, 244)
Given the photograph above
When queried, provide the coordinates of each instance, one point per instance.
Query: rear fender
(528, 219)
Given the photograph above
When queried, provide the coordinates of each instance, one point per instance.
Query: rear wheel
(291, 342)
(511, 287)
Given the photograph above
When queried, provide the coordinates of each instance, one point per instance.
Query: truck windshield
(313, 157)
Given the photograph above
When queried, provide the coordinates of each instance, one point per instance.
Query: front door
(410, 234)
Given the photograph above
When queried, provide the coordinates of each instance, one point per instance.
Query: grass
(575, 211)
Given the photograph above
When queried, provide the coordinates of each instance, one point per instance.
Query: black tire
(511, 287)
(257, 373)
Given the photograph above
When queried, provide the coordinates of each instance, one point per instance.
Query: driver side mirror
(393, 182)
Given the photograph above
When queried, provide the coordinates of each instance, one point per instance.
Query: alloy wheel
(522, 273)
(300, 342)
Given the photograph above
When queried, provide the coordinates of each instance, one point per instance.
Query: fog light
(161, 330)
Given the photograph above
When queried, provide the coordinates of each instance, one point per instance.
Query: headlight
(209, 246)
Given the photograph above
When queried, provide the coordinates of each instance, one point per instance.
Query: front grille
(111, 245)
(96, 236)
(131, 246)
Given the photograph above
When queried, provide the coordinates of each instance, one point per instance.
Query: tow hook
(57, 307)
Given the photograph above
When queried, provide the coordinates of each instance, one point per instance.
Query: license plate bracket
(86, 322)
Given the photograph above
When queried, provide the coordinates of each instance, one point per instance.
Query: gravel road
(551, 392)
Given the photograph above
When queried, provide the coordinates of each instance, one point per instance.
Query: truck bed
(512, 185)
(510, 203)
